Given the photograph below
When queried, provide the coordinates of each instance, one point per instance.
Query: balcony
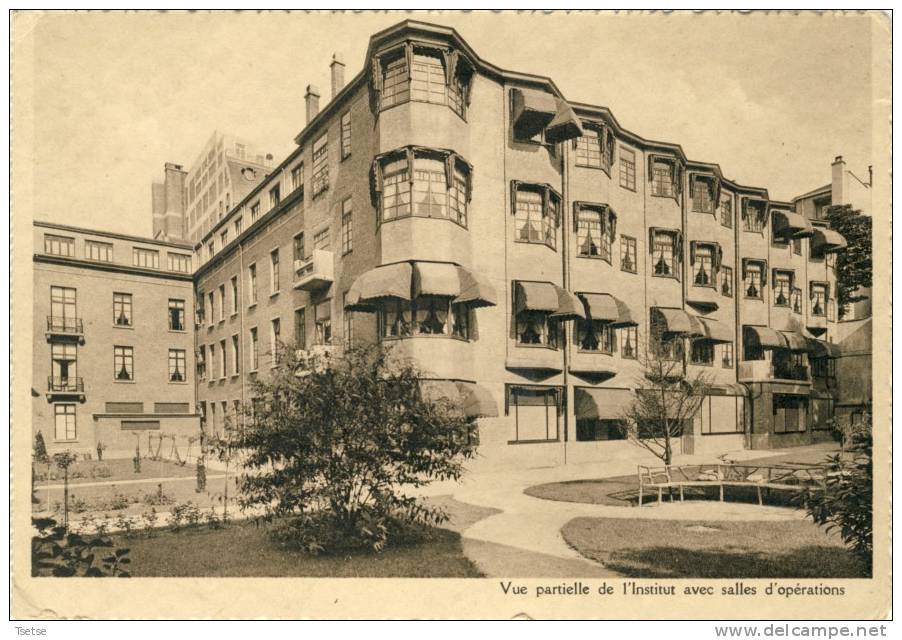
(65, 328)
(315, 272)
(767, 371)
(65, 388)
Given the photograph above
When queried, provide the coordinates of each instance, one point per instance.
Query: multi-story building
(113, 356)
(522, 249)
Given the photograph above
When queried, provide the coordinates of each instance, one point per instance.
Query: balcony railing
(765, 371)
(68, 326)
(70, 384)
(315, 272)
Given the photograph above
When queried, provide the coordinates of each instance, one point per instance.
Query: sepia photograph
(538, 314)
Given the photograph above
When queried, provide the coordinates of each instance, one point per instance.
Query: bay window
(425, 315)
(702, 352)
(421, 73)
(595, 148)
(754, 215)
(595, 336)
(595, 230)
(704, 193)
(537, 328)
(662, 179)
(537, 214)
(704, 264)
(628, 254)
(782, 287)
(726, 212)
(753, 278)
(819, 297)
(664, 251)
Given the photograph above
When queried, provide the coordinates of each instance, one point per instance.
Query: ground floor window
(655, 428)
(790, 413)
(593, 429)
(64, 422)
(821, 413)
(536, 411)
(722, 414)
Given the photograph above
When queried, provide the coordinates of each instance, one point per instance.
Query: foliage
(331, 443)
(158, 497)
(40, 448)
(54, 552)
(846, 501)
(184, 514)
(64, 460)
(100, 449)
(149, 520)
(667, 398)
(125, 524)
(854, 263)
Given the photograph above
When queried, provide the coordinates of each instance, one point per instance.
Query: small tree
(332, 443)
(667, 396)
(64, 461)
(854, 263)
(40, 448)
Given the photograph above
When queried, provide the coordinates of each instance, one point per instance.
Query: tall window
(347, 227)
(347, 316)
(536, 413)
(275, 197)
(726, 281)
(176, 315)
(593, 237)
(223, 361)
(147, 258)
(122, 309)
(298, 246)
(782, 288)
(212, 362)
(818, 299)
(63, 310)
(238, 223)
(753, 279)
(627, 168)
(252, 284)
(59, 245)
(123, 363)
(233, 283)
(322, 322)
(395, 190)
(754, 216)
(236, 356)
(395, 82)
(274, 271)
(321, 165)
(726, 355)
(275, 336)
(179, 262)
(211, 297)
(703, 267)
(629, 338)
(796, 300)
(211, 250)
(588, 149)
(255, 212)
(346, 135)
(797, 246)
(726, 211)
(628, 254)
(177, 371)
(297, 177)
(425, 315)
(662, 179)
(221, 315)
(321, 239)
(702, 200)
(595, 336)
(224, 238)
(100, 251)
(537, 215)
(429, 189)
(255, 353)
(64, 422)
(427, 82)
(64, 366)
(300, 328)
(202, 362)
(663, 254)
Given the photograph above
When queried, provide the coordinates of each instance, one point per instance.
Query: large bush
(329, 448)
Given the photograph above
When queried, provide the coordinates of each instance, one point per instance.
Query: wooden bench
(778, 477)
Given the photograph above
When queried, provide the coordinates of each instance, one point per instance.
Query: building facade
(113, 357)
(522, 249)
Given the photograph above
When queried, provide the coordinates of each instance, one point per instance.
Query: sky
(105, 99)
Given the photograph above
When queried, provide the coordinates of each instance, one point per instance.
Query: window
(346, 135)
(223, 239)
(252, 284)
(234, 287)
(179, 262)
(237, 225)
(100, 251)
(664, 255)
(822, 367)
(297, 177)
(63, 309)
(298, 246)
(347, 227)
(754, 215)
(536, 215)
(147, 258)
(275, 197)
(202, 362)
(59, 245)
(212, 362)
(782, 287)
(64, 366)
(123, 363)
(670, 348)
(424, 81)
(702, 196)
(790, 413)
(537, 328)
(395, 82)
(536, 412)
(428, 83)
(221, 315)
(348, 317)
(322, 323)
(595, 336)
(275, 336)
(255, 353)
(429, 189)
(223, 361)
(594, 232)
(176, 315)
(627, 168)
(726, 281)
(122, 309)
(819, 298)
(595, 429)
(628, 254)
(320, 165)
(753, 279)
(629, 337)
(236, 356)
(300, 328)
(64, 422)
(255, 212)
(726, 352)
(726, 212)
(321, 239)
(425, 315)
(662, 180)
(395, 190)
(588, 149)
(796, 300)
(440, 186)
(797, 246)
(211, 251)
(274, 271)
(702, 352)
(831, 310)
(703, 268)
(212, 306)
(177, 369)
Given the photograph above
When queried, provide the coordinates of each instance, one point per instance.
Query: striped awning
(624, 315)
(569, 306)
(601, 306)
(678, 321)
(475, 289)
(564, 126)
(716, 331)
(388, 281)
(828, 240)
(765, 337)
(536, 296)
(477, 401)
(604, 404)
(792, 224)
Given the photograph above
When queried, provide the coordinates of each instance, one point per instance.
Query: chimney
(338, 73)
(312, 100)
(838, 191)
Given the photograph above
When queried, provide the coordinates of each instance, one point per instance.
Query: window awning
(477, 401)
(822, 349)
(532, 110)
(389, 281)
(795, 341)
(604, 404)
(564, 126)
(440, 390)
(828, 240)
(569, 306)
(475, 289)
(601, 306)
(536, 296)
(680, 322)
(792, 224)
(624, 315)
(436, 279)
(716, 331)
(765, 337)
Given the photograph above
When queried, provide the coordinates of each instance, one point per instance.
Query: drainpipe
(241, 312)
(565, 258)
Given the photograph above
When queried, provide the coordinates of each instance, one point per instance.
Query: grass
(246, 550)
(651, 548)
(111, 471)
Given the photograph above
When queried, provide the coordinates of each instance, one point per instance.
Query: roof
(109, 234)
(826, 189)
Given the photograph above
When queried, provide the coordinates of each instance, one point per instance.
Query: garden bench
(781, 477)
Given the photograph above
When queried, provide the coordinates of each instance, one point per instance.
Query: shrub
(149, 521)
(125, 525)
(157, 498)
(40, 448)
(184, 513)
(54, 552)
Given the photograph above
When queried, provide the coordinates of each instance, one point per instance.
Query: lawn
(651, 548)
(111, 471)
(246, 550)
